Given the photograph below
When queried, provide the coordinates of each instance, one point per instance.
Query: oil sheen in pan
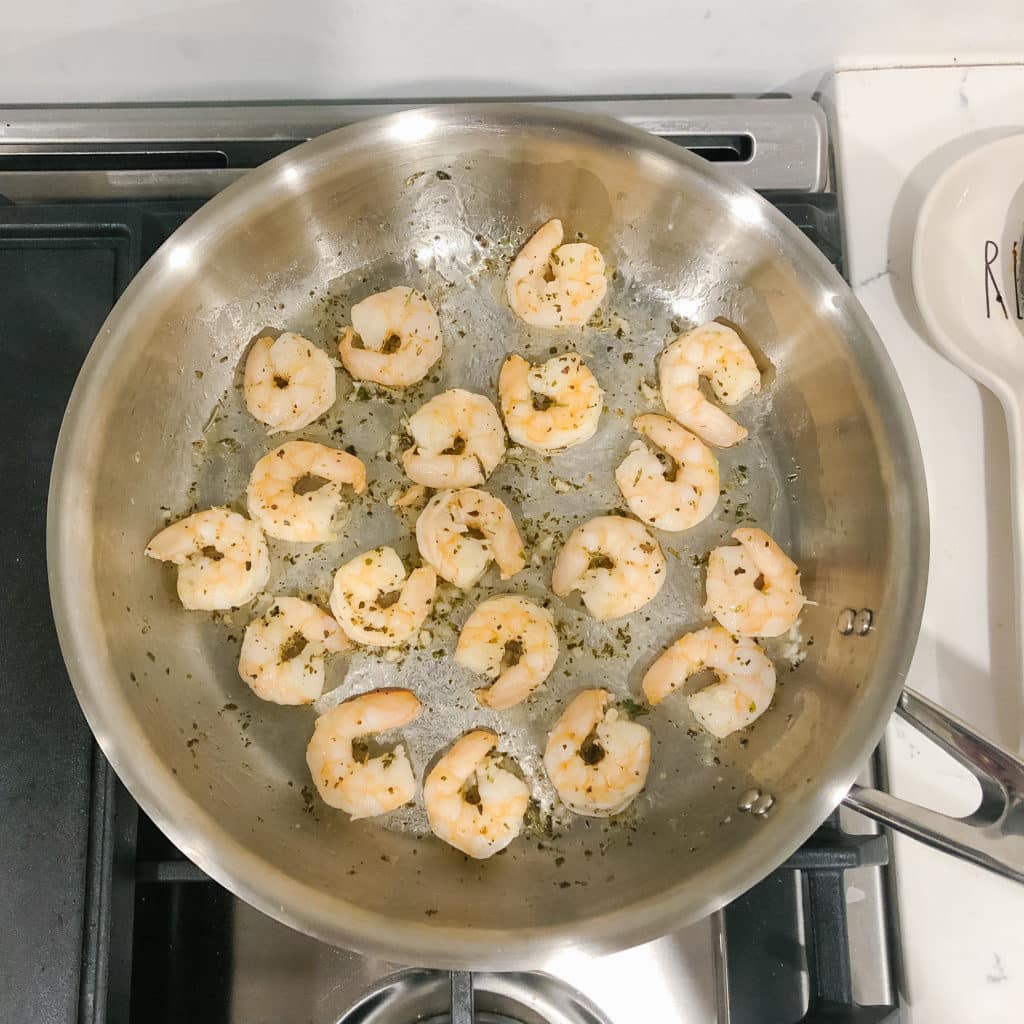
(549, 496)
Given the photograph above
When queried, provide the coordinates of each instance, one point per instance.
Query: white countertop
(64, 51)
(963, 928)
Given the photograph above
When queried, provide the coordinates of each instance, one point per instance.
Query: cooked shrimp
(222, 558)
(364, 603)
(511, 641)
(461, 531)
(288, 382)
(674, 493)
(753, 589)
(395, 338)
(745, 674)
(472, 802)
(718, 353)
(555, 405)
(595, 759)
(285, 497)
(457, 439)
(555, 285)
(345, 775)
(614, 562)
(282, 656)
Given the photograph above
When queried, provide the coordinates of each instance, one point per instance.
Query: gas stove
(104, 920)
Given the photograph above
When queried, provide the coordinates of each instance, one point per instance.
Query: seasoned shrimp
(614, 562)
(472, 802)
(753, 589)
(284, 495)
(288, 382)
(461, 531)
(282, 656)
(555, 285)
(745, 674)
(457, 439)
(362, 587)
(555, 405)
(674, 493)
(395, 338)
(222, 558)
(595, 759)
(345, 775)
(716, 352)
(511, 641)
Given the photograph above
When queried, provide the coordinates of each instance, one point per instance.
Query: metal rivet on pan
(747, 801)
(862, 621)
(763, 804)
(844, 624)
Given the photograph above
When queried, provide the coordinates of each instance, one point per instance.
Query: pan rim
(327, 916)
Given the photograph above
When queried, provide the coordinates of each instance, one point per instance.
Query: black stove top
(103, 920)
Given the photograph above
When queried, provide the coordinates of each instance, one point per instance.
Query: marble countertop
(897, 129)
(63, 51)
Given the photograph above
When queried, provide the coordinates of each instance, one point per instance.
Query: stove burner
(418, 996)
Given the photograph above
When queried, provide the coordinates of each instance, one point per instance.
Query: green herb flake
(633, 708)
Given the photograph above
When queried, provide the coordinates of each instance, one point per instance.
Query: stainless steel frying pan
(438, 198)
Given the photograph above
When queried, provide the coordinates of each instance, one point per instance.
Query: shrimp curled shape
(223, 559)
(458, 440)
(512, 642)
(296, 490)
(753, 589)
(745, 678)
(614, 562)
(550, 407)
(677, 486)
(474, 803)
(288, 382)
(282, 656)
(555, 285)
(460, 532)
(346, 777)
(394, 340)
(596, 759)
(376, 603)
(718, 353)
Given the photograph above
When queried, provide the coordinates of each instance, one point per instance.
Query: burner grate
(809, 982)
(419, 996)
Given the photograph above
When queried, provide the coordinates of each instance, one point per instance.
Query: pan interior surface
(439, 199)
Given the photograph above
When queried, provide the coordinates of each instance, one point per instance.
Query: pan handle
(993, 835)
